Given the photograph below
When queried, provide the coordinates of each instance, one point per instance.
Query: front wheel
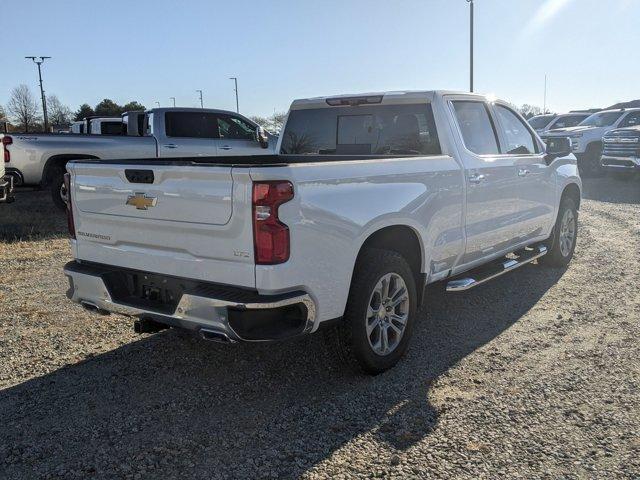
(562, 242)
(375, 330)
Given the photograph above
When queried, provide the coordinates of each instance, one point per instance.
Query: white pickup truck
(40, 159)
(370, 198)
(6, 181)
(587, 136)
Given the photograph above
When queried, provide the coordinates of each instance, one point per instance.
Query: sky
(280, 50)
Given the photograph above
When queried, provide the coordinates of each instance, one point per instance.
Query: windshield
(540, 121)
(568, 121)
(362, 130)
(602, 119)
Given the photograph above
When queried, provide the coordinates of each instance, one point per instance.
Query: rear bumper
(6, 189)
(209, 309)
(620, 164)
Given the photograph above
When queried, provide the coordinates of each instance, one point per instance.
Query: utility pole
(544, 108)
(174, 101)
(470, 2)
(44, 101)
(235, 80)
(201, 104)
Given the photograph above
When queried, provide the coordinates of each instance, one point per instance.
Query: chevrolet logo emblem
(141, 201)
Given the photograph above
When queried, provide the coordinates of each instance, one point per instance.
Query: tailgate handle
(139, 176)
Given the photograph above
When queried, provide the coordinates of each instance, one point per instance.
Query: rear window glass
(191, 124)
(362, 130)
(111, 128)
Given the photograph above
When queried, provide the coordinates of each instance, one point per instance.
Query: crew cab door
(536, 181)
(184, 133)
(491, 219)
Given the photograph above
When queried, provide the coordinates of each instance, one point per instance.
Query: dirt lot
(536, 375)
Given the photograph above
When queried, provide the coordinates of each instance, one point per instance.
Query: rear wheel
(58, 190)
(375, 331)
(562, 243)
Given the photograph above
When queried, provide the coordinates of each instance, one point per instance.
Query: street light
(174, 101)
(44, 101)
(201, 104)
(470, 2)
(235, 80)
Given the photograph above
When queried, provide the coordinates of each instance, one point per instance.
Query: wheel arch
(404, 240)
(572, 190)
(59, 160)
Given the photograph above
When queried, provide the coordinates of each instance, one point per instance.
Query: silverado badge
(141, 201)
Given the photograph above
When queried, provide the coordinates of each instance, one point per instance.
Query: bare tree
(59, 114)
(23, 108)
(272, 123)
(528, 111)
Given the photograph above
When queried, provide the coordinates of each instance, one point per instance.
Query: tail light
(70, 222)
(270, 235)
(6, 140)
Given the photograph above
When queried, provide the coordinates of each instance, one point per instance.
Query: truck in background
(621, 152)
(40, 159)
(553, 121)
(587, 136)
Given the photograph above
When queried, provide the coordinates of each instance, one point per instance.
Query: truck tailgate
(191, 221)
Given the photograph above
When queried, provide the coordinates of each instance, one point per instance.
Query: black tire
(589, 163)
(56, 185)
(557, 255)
(349, 337)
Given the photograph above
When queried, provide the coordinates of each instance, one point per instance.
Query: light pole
(158, 103)
(201, 104)
(174, 101)
(44, 101)
(235, 80)
(544, 103)
(470, 2)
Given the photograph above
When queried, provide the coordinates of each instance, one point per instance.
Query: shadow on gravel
(172, 405)
(612, 189)
(31, 217)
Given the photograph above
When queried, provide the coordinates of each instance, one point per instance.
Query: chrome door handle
(170, 145)
(523, 172)
(477, 178)
(225, 147)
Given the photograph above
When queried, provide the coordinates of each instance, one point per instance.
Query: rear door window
(476, 126)
(191, 124)
(362, 130)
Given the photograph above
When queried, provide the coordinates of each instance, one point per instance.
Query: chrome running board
(495, 269)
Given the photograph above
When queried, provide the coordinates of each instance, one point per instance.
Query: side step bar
(493, 270)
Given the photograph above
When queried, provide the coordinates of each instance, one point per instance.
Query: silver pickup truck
(40, 159)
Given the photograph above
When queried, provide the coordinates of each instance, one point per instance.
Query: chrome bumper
(204, 314)
(6, 189)
(620, 163)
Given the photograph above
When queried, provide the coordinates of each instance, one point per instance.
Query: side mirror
(261, 137)
(557, 147)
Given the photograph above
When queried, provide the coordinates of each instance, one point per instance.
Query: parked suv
(587, 136)
(545, 123)
(370, 198)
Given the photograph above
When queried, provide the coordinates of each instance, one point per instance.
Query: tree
(59, 114)
(23, 108)
(272, 123)
(83, 112)
(528, 111)
(132, 106)
(108, 108)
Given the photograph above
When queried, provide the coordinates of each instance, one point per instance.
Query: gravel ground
(534, 375)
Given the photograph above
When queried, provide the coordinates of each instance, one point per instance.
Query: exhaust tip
(215, 336)
(92, 307)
